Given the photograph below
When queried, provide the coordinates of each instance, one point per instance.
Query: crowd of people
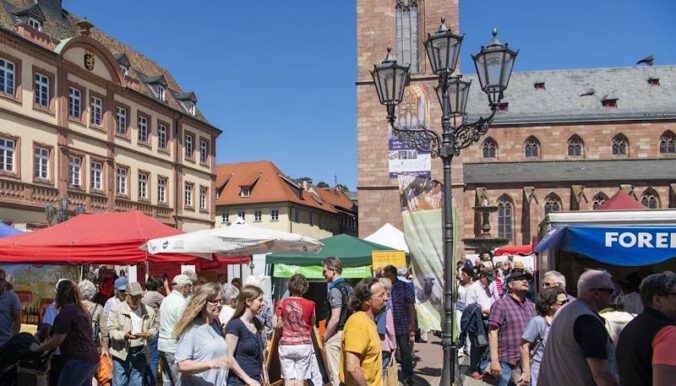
(602, 337)
(199, 333)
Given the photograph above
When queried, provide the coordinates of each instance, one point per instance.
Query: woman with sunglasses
(534, 338)
(201, 353)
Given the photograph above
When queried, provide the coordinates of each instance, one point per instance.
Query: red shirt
(296, 314)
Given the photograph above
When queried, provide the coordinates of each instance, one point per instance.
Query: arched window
(620, 145)
(407, 33)
(650, 199)
(668, 143)
(599, 200)
(575, 146)
(490, 148)
(532, 148)
(505, 210)
(552, 204)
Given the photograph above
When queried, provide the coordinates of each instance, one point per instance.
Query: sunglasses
(217, 301)
(562, 302)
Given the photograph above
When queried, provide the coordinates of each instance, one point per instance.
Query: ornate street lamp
(60, 212)
(494, 65)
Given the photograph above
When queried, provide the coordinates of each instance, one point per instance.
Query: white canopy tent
(389, 236)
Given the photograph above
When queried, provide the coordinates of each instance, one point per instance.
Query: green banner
(315, 271)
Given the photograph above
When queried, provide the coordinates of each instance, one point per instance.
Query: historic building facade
(263, 196)
(85, 117)
(561, 140)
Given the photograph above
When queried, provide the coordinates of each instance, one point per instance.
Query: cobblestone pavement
(428, 367)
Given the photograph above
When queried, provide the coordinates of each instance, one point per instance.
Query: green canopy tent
(354, 253)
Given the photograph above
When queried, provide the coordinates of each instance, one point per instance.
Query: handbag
(104, 373)
(392, 376)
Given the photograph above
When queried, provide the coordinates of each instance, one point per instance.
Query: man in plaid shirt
(403, 311)
(508, 319)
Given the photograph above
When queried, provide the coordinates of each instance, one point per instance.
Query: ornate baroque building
(86, 117)
(562, 139)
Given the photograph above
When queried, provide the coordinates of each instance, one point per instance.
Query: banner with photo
(422, 204)
(33, 283)
(411, 114)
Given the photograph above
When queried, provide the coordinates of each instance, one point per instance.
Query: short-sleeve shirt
(153, 299)
(477, 293)
(510, 316)
(591, 334)
(202, 342)
(336, 297)
(663, 346)
(360, 336)
(249, 350)
(171, 311)
(296, 316)
(10, 306)
(77, 326)
(402, 296)
(536, 333)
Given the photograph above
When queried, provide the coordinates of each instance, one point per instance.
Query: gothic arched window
(505, 211)
(575, 146)
(407, 33)
(552, 204)
(599, 200)
(668, 143)
(490, 148)
(620, 145)
(532, 148)
(650, 199)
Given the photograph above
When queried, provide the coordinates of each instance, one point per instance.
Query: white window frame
(162, 138)
(97, 111)
(204, 151)
(124, 70)
(161, 190)
(75, 170)
(121, 123)
(187, 195)
(160, 92)
(8, 77)
(189, 147)
(7, 152)
(121, 181)
(204, 193)
(274, 215)
(35, 24)
(258, 215)
(41, 162)
(143, 185)
(41, 90)
(97, 175)
(245, 192)
(242, 215)
(74, 103)
(143, 128)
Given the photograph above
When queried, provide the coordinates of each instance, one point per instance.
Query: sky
(278, 77)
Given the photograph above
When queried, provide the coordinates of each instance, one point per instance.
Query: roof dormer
(157, 84)
(30, 15)
(188, 101)
(123, 61)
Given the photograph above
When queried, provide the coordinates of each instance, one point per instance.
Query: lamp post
(494, 65)
(60, 213)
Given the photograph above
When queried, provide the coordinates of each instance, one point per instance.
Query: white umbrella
(238, 239)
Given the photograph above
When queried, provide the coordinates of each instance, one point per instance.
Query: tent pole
(241, 262)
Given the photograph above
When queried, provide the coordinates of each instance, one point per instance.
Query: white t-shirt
(136, 326)
(477, 293)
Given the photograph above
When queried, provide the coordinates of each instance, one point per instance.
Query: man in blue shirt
(403, 311)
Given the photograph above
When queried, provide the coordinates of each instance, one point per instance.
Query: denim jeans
(405, 355)
(77, 373)
(131, 371)
(154, 358)
(506, 376)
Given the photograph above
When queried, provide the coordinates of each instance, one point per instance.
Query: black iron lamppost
(494, 65)
(60, 213)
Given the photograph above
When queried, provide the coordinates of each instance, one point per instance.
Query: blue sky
(278, 76)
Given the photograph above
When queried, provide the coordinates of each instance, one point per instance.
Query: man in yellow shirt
(361, 362)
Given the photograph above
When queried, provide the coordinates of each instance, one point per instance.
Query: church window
(668, 143)
(490, 148)
(407, 33)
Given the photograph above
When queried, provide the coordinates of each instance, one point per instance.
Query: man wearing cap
(171, 311)
(120, 287)
(478, 293)
(507, 322)
(130, 326)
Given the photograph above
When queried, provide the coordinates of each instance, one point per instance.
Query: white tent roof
(389, 236)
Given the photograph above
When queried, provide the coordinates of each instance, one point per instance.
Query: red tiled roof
(335, 197)
(271, 186)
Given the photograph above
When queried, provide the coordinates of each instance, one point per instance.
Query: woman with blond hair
(201, 352)
(295, 316)
(245, 340)
(72, 332)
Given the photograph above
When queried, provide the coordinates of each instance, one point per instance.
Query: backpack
(346, 290)
(96, 328)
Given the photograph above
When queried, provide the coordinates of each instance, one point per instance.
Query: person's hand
(219, 363)
(495, 369)
(129, 336)
(524, 379)
(34, 347)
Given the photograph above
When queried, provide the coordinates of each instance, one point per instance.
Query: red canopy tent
(104, 238)
(621, 200)
(514, 250)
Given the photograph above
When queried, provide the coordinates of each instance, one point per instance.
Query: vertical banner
(411, 114)
(422, 202)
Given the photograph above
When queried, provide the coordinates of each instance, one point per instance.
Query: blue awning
(617, 245)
